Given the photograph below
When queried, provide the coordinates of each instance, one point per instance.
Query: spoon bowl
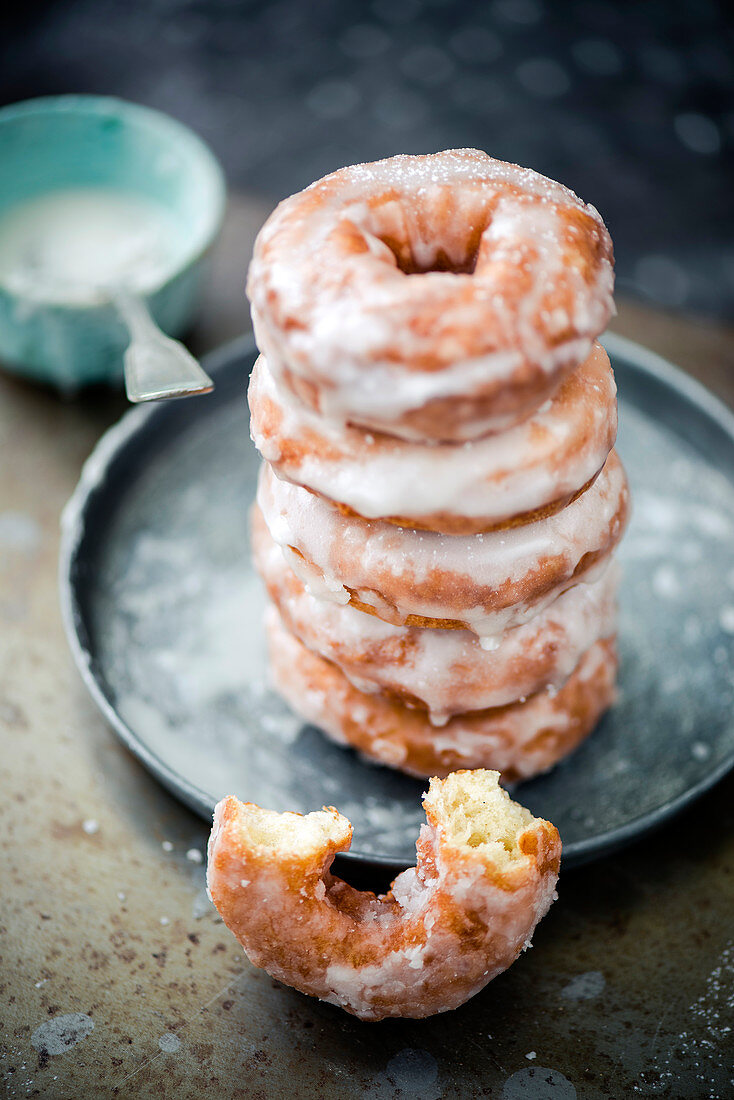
(156, 367)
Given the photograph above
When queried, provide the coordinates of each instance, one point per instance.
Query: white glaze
(549, 456)
(448, 670)
(355, 336)
(74, 245)
(374, 396)
(507, 740)
(362, 555)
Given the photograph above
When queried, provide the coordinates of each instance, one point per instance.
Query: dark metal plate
(163, 614)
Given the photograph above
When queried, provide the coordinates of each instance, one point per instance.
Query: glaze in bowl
(70, 142)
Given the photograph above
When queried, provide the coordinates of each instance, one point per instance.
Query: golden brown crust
(444, 674)
(543, 462)
(540, 584)
(448, 524)
(519, 740)
(391, 588)
(449, 419)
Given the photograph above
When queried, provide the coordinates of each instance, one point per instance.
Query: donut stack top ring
(434, 298)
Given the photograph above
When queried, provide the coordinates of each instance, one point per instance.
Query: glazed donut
(445, 672)
(533, 469)
(520, 740)
(486, 583)
(486, 874)
(434, 297)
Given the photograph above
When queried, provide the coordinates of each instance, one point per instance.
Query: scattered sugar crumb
(165, 920)
(726, 619)
(169, 1043)
(201, 905)
(90, 826)
(167, 846)
(61, 1033)
(700, 750)
(531, 1054)
(584, 986)
(665, 582)
(121, 896)
(538, 1083)
(193, 855)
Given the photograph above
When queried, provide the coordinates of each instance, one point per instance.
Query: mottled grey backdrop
(631, 104)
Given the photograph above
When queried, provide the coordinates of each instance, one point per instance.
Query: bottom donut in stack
(519, 740)
(428, 700)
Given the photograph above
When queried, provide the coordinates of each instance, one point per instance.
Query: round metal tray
(163, 614)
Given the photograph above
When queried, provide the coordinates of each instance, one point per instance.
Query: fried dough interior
(295, 834)
(476, 812)
(472, 809)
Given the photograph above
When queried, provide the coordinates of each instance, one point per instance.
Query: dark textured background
(654, 920)
(631, 104)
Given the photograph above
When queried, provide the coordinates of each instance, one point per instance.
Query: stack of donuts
(440, 499)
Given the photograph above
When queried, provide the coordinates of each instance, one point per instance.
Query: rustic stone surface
(103, 915)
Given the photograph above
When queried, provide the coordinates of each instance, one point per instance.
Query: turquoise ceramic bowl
(67, 142)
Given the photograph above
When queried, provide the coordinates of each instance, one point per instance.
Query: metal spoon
(156, 367)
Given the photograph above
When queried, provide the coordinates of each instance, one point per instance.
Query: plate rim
(95, 470)
(92, 481)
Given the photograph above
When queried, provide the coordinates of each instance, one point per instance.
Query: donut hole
(478, 813)
(434, 232)
(414, 261)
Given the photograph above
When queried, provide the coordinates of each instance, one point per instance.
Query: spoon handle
(136, 316)
(156, 367)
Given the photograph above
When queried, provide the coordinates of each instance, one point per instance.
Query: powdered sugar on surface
(701, 1051)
